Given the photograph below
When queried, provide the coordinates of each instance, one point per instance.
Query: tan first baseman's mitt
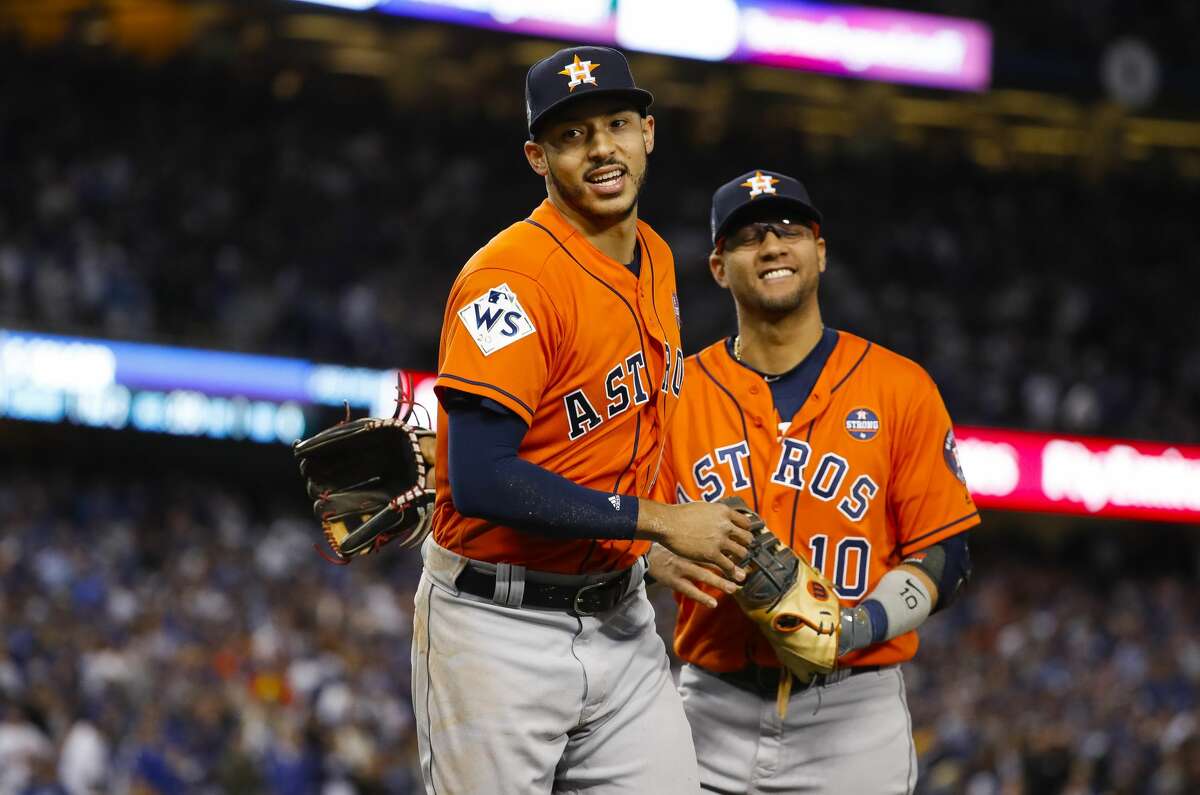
(792, 604)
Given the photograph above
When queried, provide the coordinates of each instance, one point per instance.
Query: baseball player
(536, 665)
(845, 449)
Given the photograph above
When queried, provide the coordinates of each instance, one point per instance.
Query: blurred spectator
(83, 760)
(24, 748)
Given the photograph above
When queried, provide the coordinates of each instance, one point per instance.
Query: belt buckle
(575, 608)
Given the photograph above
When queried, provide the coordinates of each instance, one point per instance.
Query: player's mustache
(606, 164)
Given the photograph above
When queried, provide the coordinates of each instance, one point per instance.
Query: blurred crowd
(168, 639)
(1049, 680)
(192, 204)
(175, 636)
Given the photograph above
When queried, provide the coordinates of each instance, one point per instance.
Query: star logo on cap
(759, 184)
(580, 72)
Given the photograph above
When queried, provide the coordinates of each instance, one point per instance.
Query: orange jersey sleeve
(584, 351)
(929, 495)
(856, 479)
(500, 338)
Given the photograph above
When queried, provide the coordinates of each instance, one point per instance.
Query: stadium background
(281, 179)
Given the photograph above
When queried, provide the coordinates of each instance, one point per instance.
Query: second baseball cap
(755, 190)
(578, 72)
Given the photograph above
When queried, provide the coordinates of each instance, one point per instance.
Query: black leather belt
(580, 600)
(764, 682)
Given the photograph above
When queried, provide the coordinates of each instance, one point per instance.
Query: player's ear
(716, 265)
(535, 153)
(648, 133)
(821, 254)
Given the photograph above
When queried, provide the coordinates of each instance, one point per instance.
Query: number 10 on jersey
(851, 559)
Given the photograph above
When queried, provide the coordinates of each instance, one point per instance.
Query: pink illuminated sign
(1022, 471)
(871, 43)
(852, 41)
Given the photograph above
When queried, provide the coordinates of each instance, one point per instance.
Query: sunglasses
(754, 233)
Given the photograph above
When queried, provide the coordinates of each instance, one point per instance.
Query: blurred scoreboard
(185, 391)
(275, 400)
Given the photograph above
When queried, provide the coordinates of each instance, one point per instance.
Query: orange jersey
(586, 353)
(864, 474)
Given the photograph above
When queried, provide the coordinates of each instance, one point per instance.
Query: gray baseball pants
(850, 737)
(523, 701)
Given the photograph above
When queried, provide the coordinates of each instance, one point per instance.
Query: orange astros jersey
(586, 353)
(864, 474)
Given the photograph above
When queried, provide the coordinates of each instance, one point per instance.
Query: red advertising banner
(1023, 471)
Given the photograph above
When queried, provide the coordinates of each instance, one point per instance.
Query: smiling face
(593, 155)
(772, 265)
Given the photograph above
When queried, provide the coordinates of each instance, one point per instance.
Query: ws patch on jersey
(862, 424)
(496, 319)
(950, 453)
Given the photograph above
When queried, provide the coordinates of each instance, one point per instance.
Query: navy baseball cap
(759, 191)
(576, 73)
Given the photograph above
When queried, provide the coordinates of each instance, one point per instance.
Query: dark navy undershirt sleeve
(489, 481)
(791, 389)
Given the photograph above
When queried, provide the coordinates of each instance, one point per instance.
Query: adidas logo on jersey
(496, 319)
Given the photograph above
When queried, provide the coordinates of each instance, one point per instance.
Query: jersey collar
(819, 354)
(552, 218)
(838, 367)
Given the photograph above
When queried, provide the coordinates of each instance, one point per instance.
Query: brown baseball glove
(793, 605)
